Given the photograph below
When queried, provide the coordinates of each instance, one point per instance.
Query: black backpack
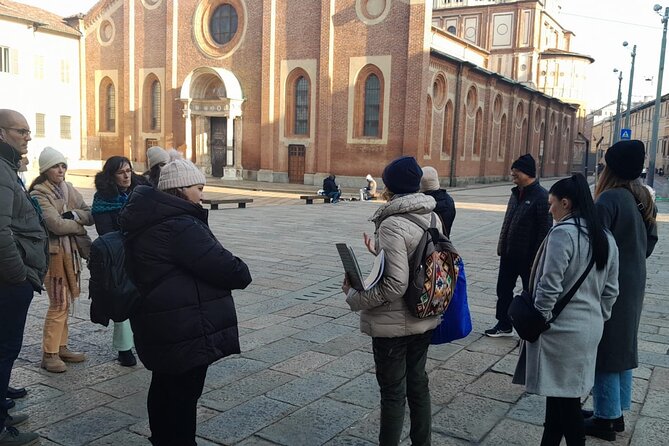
(113, 295)
(433, 271)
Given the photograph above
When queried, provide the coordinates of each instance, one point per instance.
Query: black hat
(526, 164)
(625, 158)
(402, 176)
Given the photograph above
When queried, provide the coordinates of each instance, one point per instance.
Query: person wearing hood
(113, 186)
(368, 192)
(65, 215)
(24, 255)
(186, 318)
(400, 340)
(429, 185)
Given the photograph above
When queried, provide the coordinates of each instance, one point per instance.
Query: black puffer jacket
(445, 208)
(187, 316)
(526, 224)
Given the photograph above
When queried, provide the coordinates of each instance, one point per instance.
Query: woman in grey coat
(627, 209)
(561, 363)
(400, 341)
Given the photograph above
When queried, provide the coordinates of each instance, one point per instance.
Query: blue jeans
(612, 394)
(14, 302)
(400, 372)
(334, 196)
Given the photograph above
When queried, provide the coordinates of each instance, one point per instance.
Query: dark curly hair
(105, 180)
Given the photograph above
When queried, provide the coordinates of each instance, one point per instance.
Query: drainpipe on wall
(456, 126)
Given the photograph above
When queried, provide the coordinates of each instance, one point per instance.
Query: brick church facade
(293, 90)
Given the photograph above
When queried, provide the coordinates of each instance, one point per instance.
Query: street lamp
(629, 91)
(616, 134)
(650, 176)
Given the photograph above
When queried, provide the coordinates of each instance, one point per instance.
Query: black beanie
(625, 158)
(526, 164)
(402, 176)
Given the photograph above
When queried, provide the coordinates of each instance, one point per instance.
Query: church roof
(36, 17)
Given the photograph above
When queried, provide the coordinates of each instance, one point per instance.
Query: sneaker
(126, 358)
(69, 356)
(16, 420)
(600, 428)
(12, 437)
(498, 331)
(618, 423)
(14, 393)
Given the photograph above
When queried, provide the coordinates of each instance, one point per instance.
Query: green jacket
(23, 239)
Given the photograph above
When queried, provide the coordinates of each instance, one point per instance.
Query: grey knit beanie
(156, 155)
(180, 173)
(430, 179)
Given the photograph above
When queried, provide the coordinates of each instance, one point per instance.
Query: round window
(223, 24)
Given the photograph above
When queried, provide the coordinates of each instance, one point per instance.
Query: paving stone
(266, 336)
(445, 384)
(506, 365)
(323, 333)
(240, 391)
(470, 362)
(345, 344)
(493, 346)
(497, 386)
(650, 432)
(83, 428)
(333, 312)
(439, 439)
(303, 363)
(280, 350)
(347, 440)
(350, 320)
(266, 320)
(299, 310)
(530, 409)
(122, 437)
(442, 352)
(514, 433)
(455, 418)
(85, 376)
(656, 405)
(660, 379)
(314, 424)
(133, 404)
(36, 394)
(639, 389)
(244, 420)
(231, 369)
(367, 427)
(350, 365)
(307, 321)
(642, 372)
(307, 389)
(68, 404)
(361, 391)
(251, 441)
(125, 385)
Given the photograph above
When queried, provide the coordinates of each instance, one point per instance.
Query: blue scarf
(102, 205)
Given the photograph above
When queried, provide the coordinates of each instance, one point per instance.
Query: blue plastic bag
(456, 322)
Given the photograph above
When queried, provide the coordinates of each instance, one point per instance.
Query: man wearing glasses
(23, 262)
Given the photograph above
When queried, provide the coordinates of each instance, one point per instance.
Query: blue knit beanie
(402, 176)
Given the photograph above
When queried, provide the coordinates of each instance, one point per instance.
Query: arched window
(301, 106)
(155, 105)
(107, 111)
(223, 23)
(448, 129)
(428, 126)
(478, 133)
(298, 103)
(368, 107)
(502, 137)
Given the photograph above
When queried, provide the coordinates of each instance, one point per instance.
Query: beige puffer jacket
(384, 313)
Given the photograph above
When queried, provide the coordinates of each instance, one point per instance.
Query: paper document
(352, 268)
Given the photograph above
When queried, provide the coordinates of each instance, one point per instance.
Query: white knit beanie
(180, 173)
(49, 158)
(369, 177)
(430, 180)
(156, 155)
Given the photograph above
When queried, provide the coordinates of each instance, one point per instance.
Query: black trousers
(563, 419)
(509, 271)
(172, 406)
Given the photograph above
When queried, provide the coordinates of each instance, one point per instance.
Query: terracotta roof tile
(32, 14)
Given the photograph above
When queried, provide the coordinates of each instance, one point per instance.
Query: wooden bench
(310, 198)
(240, 202)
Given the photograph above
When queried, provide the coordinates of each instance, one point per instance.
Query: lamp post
(629, 91)
(650, 177)
(616, 134)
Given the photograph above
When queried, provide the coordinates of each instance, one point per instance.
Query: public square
(306, 373)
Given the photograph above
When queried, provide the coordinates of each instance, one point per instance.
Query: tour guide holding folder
(400, 340)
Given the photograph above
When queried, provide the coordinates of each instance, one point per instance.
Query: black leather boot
(618, 423)
(600, 428)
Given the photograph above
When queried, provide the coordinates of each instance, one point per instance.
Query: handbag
(456, 322)
(528, 322)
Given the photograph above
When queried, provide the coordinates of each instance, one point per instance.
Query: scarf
(63, 279)
(102, 205)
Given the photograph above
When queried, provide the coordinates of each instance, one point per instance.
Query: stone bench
(240, 202)
(310, 198)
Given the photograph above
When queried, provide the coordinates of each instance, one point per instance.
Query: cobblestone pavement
(306, 374)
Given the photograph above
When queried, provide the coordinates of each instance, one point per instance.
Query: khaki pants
(55, 328)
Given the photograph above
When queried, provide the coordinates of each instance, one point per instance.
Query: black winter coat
(186, 317)
(526, 224)
(445, 208)
(329, 185)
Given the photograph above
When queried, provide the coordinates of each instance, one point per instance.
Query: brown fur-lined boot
(51, 362)
(70, 356)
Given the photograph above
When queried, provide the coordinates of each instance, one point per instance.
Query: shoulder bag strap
(565, 300)
(419, 222)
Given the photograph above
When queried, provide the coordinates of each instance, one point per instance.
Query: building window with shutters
(298, 101)
(4, 59)
(155, 105)
(39, 125)
(65, 127)
(65, 71)
(368, 111)
(107, 111)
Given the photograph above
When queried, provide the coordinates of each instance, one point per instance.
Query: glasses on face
(22, 132)
(124, 172)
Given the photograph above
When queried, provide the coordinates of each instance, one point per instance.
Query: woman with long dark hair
(65, 216)
(113, 186)
(626, 208)
(561, 363)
